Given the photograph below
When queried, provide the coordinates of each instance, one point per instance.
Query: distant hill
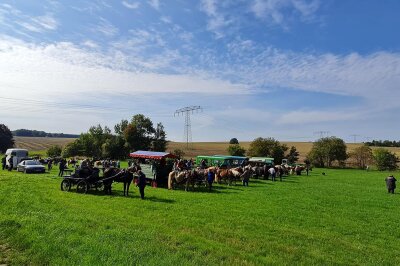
(41, 134)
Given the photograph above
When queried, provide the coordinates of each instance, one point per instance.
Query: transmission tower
(188, 126)
(355, 137)
(322, 134)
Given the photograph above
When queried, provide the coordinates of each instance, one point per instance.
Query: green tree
(327, 150)
(74, 148)
(293, 155)
(6, 138)
(54, 151)
(385, 160)
(236, 150)
(267, 147)
(159, 141)
(234, 141)
(178, 153)
(114, 147)
(139, 133)
(362, 156)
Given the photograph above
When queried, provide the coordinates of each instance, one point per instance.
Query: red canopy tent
(151, 155)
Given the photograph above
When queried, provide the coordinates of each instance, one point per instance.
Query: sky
(294, 70)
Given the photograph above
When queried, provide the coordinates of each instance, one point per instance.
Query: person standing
(390, 183)
(62, 167)
(3, 163)
(272, 172)
(245, 176)
(210, 178)
(10, 163)
(141, 184)
(49, 165)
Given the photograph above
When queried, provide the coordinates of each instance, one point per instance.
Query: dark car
(31, 166)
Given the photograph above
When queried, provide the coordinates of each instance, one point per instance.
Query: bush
(385, 160)
(236, 150)
(178, 153)
(54, 151)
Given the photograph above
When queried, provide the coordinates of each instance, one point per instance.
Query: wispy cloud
(106, 28)
(217, 21)
(155, 4)
(10, 16)
(133, 5)
(48, 70)
(277, 12)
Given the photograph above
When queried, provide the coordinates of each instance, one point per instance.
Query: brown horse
(112, 174)
(180, 177)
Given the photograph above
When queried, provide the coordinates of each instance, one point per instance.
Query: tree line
(325, 152)
(383, 143)
(42, 134)
(137, 134)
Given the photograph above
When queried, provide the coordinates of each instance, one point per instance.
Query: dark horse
(120, 176)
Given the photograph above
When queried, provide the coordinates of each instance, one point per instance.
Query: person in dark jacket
(245, 177)
(62, 167)
(10, 163)
(3, 162)
(141, 184)
(390, 183)
(210, 178)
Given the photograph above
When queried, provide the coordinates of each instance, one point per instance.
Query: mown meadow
(343, 217)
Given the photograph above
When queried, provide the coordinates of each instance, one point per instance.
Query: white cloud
(37, 71)
(277, 11)
(217, 21)
(155, 4)
(129, 5)
(106, 28)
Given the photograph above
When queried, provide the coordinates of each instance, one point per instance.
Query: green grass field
(345, 217)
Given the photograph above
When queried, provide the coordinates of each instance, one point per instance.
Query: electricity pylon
(188, 126)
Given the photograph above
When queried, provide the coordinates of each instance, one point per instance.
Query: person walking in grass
(3, 163)
(10, 163)
(272, 173)
(390, 183)
(210, 178)
(245, 176)
(62, 167)
(141, 184)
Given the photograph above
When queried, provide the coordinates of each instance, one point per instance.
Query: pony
(125, 176)
(180, 177)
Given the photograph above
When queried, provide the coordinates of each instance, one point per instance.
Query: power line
(188, 126)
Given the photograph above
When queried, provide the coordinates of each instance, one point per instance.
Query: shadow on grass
(161, 200)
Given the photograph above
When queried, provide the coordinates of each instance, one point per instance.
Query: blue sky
(283, 69)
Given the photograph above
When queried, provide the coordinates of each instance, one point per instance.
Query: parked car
(31, 166)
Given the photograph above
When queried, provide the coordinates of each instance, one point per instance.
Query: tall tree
(159, 142)
(267, 147)
(327, 150)
(234, 141)
(6, 138)
(293, 155)
(362, 156)
(139, 133)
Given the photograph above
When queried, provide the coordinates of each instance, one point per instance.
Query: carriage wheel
(82, 187)
(65, 185)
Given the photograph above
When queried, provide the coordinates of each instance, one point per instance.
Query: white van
(17, 154)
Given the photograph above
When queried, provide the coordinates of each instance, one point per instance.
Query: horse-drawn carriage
(84, 180)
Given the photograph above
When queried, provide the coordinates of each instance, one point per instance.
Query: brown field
(198, 148)
(39, 144)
